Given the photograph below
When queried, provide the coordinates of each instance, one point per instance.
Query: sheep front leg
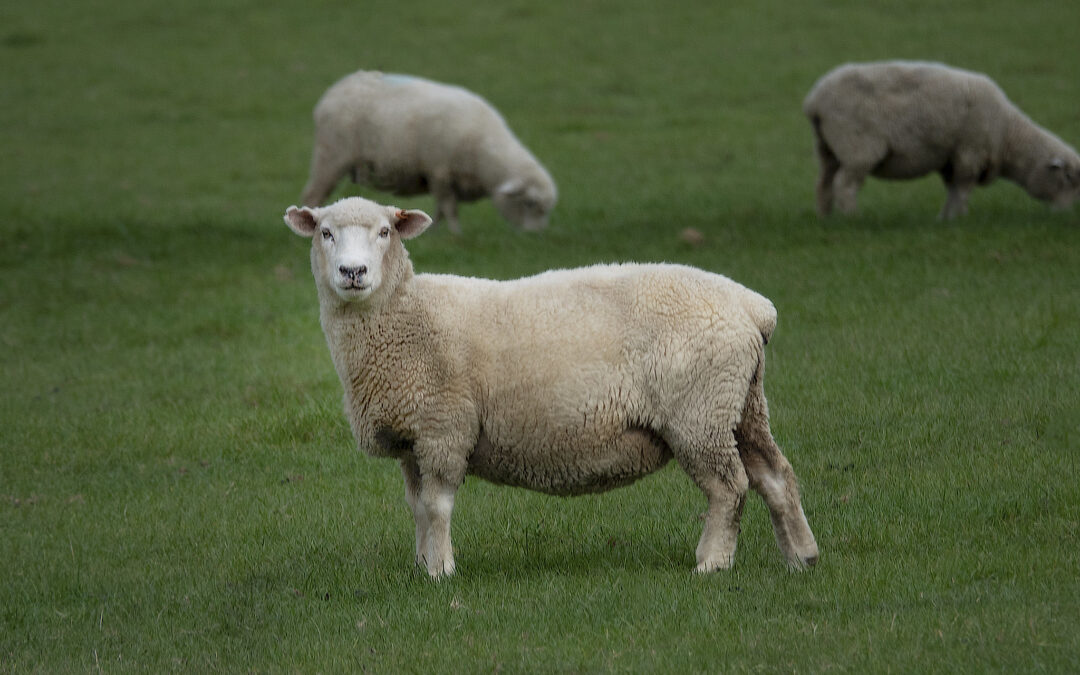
(956, 201)
(436, 500)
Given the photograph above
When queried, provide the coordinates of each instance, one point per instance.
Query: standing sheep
(905, 119)
(568, 382)
(409, 136)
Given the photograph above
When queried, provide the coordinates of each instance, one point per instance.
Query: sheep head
(355, 243)
(526, 203)
(1063, 177)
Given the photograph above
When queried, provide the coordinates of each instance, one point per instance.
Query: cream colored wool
(568, 382)
(408, 135)
(905, 119)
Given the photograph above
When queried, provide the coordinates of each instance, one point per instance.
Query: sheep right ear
(512, 187)
(410, 223)
(301, 220)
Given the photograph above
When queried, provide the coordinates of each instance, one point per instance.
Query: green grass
(179, 489)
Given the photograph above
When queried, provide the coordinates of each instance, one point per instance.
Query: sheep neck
(1026, 145)
(364, 337)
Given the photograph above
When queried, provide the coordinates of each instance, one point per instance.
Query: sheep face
(351, 242)
(526, 204)
(1057, 182)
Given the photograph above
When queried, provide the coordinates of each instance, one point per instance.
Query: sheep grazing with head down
(408, 135)
(569, 382)
(905, 119)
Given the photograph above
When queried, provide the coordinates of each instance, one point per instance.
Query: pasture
(179, 489)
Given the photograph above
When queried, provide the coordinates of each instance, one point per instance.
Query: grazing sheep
(408, 136)
(568, 382)
(905, 119)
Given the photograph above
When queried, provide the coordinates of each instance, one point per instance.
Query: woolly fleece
(568, 382)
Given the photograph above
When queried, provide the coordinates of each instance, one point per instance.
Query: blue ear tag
(395, 79)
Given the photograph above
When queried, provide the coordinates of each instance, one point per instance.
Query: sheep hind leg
(327, 168)
(772, 477)
(412, 496)
(824, 190)
(718, 472)
(846, 185)
(445, 204)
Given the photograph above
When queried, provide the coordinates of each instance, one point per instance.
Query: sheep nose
(353, 273)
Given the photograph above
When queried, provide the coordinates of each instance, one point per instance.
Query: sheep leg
(772, 477)
(327, 168)
(719, 473)
(824, 190)
(719, 537)
(956, 201)
(412, 496)
(436, 499)
(846, 184)
(445, 203)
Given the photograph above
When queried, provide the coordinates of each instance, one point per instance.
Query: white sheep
(905, 119)
(568, 382)
(408, 135)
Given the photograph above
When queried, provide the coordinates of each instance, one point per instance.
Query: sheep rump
(568, 382)
(905, 119)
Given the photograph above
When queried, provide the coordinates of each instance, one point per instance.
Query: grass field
(180, 491)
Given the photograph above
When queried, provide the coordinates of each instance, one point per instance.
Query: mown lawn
(178, 486)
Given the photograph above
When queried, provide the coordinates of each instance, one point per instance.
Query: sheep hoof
(715, 565)
(441, 571)
(802, 564)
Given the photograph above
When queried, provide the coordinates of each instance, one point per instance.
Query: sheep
(905, 119)
(568, 382)
(408, 135)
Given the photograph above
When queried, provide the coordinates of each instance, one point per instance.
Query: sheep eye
(327, 236)
(384, 232)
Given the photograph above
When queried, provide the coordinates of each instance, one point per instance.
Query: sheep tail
(762, 313)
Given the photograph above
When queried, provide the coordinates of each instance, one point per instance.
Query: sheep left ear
(410, 223)
(301, 220)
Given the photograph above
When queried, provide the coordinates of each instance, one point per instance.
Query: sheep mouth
(360, 288)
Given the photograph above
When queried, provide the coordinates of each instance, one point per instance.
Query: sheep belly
(910, 163)
(565, 467)
(399, 180)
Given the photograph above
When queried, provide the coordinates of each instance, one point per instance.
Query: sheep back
(910, 118)
(399, 129)
(904, 119)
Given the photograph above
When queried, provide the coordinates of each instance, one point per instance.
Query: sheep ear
(514, 186)
(410, 223)
(1062, 172)
(301, 220)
